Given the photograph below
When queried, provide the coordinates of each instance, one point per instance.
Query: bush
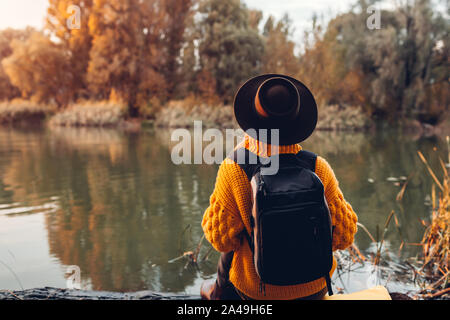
(99, 114)
(336, 117)
(23, 111)
(182, 114)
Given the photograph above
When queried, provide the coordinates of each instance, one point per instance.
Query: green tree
(177, 15)
(228, 47)
(410, 57)
(399, 71)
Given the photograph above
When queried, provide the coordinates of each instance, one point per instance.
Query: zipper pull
(262, 288)
(261, 188)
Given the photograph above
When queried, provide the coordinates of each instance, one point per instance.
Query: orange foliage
(207, 87)
(40, 69)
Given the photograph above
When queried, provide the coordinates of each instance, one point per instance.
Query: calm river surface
(114, 204)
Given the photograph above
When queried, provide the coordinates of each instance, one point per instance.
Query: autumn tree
(61, 23)
(187, 80)
(315, 68)
(411, 57)
(228, 47)
(177, 14)
(40, 69)
(399, 71)
(7, 90)
(207, 87)
(254, 18)
(279, 55)
(125, 50)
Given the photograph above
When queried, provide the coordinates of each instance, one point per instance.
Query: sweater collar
(266, 150)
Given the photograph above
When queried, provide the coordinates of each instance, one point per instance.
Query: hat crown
(293, 119)
(278, 97)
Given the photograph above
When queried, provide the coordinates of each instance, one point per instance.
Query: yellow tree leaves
(40, 69)
(76, 41)
(124, 54)
(279, 55)
(7, 90)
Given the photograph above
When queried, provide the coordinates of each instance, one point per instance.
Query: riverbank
(49, 293)
(179, 114)
(183, 113)
(24, 112)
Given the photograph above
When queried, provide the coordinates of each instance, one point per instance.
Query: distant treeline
(147, 52)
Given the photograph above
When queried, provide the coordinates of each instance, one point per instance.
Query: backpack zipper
(261, 188)
(262, 287)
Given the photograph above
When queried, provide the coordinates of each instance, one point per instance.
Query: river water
(114, 204)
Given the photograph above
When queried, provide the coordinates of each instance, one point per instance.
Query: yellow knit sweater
(230, 210)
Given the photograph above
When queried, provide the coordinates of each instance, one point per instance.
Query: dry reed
(23, 111)
(90, 114)
(436, 239)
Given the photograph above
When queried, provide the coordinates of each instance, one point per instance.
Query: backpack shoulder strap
(249, 163)
(247, 160)
(307, 159)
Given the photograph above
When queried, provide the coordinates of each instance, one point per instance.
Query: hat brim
(291, 131)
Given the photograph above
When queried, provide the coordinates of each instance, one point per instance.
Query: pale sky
(300, 11)
(20, 13)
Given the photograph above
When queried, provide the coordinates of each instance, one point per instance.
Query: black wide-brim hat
(294, 126)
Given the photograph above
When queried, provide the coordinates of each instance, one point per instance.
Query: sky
(21, 13)
(300, 11)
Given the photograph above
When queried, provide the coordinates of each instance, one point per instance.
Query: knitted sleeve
(343, 217)
(222, 222)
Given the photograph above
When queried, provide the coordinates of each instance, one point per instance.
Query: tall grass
(378, 240)
(436, 239)
(90, 114)
(335, 117)
(23, 111)
(183, 113)
(432, 265)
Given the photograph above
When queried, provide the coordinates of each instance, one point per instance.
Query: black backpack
(292, 234)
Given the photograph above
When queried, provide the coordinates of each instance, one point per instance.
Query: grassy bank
(183, 113)
(23, 111)
(90, 114)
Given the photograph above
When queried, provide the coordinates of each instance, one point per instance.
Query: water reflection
(115, 205)
(379, 157)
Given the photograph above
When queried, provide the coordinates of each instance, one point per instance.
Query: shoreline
(51, 293)
(135, 125)
(179, 114)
